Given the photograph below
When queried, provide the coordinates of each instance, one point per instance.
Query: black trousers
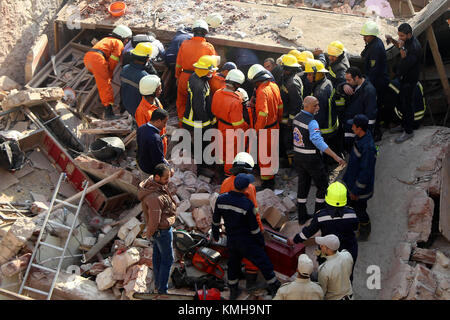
(310, 167)
(360, 207)
(407, 107)
(286, 139)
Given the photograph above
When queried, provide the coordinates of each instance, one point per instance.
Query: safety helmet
(122, 31)
(314, 66)
(214, 20)
(305, 265)
(228, 66)
(202, 24)
(335, 48)
(143, 49)
(370, 28)
(258, 73)
(235, 75)
(243, 162)
(243, 94)
(295, 53)
(149, 84)
(305, 55)
(289, 60)
(336, 194)
(206, 63)
(279, 60)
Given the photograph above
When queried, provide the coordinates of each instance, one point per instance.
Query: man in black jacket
(150, 150)
(408, 72)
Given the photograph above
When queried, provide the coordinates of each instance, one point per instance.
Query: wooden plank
(105, 131)
(132, 213)
(438, 62)
(444, 207)
(13, 295)
(423, 19)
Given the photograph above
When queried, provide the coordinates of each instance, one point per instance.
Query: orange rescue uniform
(250, 193)
(189, 53)
(144, 113)
(102, 66)
(227, 108)
(216, 82)
(268, 112)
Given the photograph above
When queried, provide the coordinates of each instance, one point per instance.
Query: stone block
(289, 204)
(203, 218)
(31, 97)
(15, 266)
(88, 241)
(105, 279)
(146, 257)
(7, 84)
(121, 262)
(274, 217)
(127, 227)
(396, 286)
(425, 256)
(266, 199)
(187, 219)
(19, 233)
(142, 243)
(184, 206)
(441, 272)
(190, 179)
(204, 179)
(183, 193)
(403, 251)
(135, 280)
(420, 215)
(202, 187)
(424, 284)
(199, 199)
(213, 199)
(131, 236)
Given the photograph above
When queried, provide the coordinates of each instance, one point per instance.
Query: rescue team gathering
(329, 115)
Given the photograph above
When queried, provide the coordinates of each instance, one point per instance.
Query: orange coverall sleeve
(114, 58)
(261, 110)
(179, 62)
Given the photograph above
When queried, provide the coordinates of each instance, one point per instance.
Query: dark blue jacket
(239, 216)
(150, 150)
(129, 86)
(375, 63)
(408, 69)
(360, 174)
(418, 99)
(174, 46)
(327, 115)
(341, 222)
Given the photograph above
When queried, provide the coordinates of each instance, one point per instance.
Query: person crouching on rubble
(159, 207)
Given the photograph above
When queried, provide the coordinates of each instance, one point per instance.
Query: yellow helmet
(314, 66)
(305, 55)
(370, 28)
(336, 195)
(295, 53)
(143, 49)
(289, 60)
(335, 48)
(206, 63)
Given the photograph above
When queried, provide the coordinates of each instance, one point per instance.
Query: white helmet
(122, 31)
(305, 265)
(149, 84)
(258, 73)
(214, 20)
(201, 24)
(243, 94)
(243, 160)
(235, 75)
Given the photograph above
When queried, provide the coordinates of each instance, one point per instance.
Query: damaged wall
(22, 22)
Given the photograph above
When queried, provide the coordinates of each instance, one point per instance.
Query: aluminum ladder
(56, 271)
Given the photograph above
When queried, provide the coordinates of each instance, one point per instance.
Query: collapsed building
(53, 120)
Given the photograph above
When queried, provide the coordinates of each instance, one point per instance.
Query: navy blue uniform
(341, 222)
(375, 63)
(363, 101)
(130, 76)
(150, 150)
(174, 46)
(360, 174)
(244, 238)
(336, 74)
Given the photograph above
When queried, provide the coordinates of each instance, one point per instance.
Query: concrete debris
(425, 256)
(274, 217)
(105, 279)
(146, 257)
(399, 281)
(403, 251)
(31, 97)
(17, 236)
(136, 280)
(88, 241)
(199, 199)
(183, 193)
(424, 284)
(127, 227)
(184, 206)
(289, 204)
(203, 217)
(142, 243)
(122, 260)
(441, 271)
(290, 228)
(97, 268)
(15, 266)
(266, 199)
(7, 84)
(420, 214)
(187, 219)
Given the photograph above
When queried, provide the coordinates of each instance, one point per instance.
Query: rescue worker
(302, 288)
(408, 72)
(375, 66)
(127, 56)
(302, 59)
(217, 80)
(393, 105)
(150, 148)
(131, 74)
(308, 146)
(101, 61)
(336, 218)
(159, 212)
(268, 112)
(292, 96)
(244, 59)
(150, 89)
(275, 70)
(228, 110)
(244, 237)
(244, 163)
(363, 100)
(189, 53)
(323, 90)
(360, 174)
(334, 273)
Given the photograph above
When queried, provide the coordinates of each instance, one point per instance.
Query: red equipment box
(283, 257)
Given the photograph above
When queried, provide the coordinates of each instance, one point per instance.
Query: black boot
(364, 231)
(234, 291)
(109, 113)
(268, 184)
(273, 288)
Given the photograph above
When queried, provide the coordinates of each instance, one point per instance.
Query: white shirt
(300, 289)
(334, 275)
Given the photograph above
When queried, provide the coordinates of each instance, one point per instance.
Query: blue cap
(242, 180)
(229, 66)
(360, 120)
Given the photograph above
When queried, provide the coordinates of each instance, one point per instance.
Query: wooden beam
(105, 131)
(411, 8)
(13, 295)
(439, 64)
(425, 18)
